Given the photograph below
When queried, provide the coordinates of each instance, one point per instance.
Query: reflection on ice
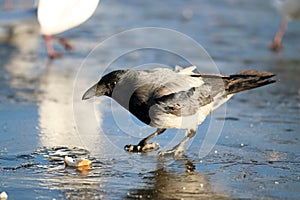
(171, 184)
(64, 119)
(56, 112)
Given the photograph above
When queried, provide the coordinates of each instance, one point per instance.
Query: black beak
(90, 93)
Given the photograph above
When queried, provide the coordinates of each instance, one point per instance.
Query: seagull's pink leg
(51, 53)
(8, 5)
(28, 4)
(66, 43)
(276, 45)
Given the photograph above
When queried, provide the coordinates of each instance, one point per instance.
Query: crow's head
(105, 86)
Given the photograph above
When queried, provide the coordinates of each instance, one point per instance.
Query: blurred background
(42, 117)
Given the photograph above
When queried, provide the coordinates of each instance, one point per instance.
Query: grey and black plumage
(164, 99)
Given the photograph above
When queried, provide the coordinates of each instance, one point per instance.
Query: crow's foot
(142, 148)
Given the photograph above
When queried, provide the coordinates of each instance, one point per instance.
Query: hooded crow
(163, 98)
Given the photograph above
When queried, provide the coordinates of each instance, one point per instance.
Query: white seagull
(56, 16)
(290, 9)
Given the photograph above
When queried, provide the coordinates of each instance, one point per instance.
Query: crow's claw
(139, 148)
(175, 152)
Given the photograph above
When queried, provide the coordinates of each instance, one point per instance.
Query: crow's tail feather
(246, 80)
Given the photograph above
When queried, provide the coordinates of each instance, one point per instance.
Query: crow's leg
(178, 150)
(143, 146)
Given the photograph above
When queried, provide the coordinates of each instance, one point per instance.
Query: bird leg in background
(10, 5)
(178, 150)
(51, 52)
(143, 146)
(65, 43)
(276, 45)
